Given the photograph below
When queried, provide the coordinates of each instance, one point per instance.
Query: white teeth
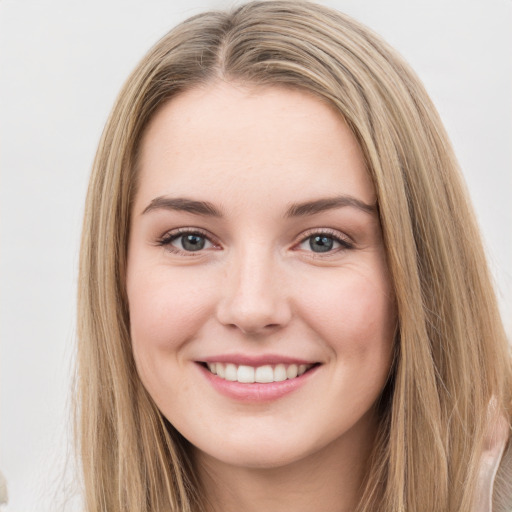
(245, 374)
(221, 370)
(280, 373)
(231, 372)
(262, 374)
(291, 371)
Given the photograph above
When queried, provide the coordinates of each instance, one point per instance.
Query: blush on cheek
(163, 317)
(355, 313)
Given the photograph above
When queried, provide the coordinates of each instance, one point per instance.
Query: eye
(192, 242)
(324, 243)
(186, 241)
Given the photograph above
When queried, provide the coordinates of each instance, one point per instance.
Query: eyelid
(344, 240)
(171, 235)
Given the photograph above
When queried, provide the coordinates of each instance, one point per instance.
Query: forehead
(233, 141)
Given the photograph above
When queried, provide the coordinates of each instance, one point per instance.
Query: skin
(259, 287)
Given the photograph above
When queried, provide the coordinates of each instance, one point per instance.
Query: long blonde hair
(452, 357)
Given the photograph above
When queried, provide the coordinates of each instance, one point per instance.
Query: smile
(260, 374)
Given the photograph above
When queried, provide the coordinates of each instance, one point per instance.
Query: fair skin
(255, 244)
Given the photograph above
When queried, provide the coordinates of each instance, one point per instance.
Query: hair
(452, 356)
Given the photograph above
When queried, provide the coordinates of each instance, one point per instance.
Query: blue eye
(191, 242)
(321, 243)
(324, 243)
(186, 241)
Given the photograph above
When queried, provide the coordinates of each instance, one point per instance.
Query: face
(260, 301)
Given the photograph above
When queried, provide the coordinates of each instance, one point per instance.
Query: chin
(254, 457)
(263, 451)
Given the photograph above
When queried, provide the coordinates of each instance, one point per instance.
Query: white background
(62, 63)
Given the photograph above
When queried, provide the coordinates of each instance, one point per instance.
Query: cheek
(356, 320)
(355, 313)
(167, 308)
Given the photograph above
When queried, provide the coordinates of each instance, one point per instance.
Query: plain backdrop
(62, 63)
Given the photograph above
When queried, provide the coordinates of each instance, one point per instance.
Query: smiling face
(261, 310)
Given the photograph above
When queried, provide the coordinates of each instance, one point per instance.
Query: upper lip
(255, 360)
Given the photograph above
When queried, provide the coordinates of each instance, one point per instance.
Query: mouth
(264, 374)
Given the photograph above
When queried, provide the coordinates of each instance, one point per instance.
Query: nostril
(253, 304)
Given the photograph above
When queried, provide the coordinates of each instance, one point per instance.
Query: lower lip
(256, 392)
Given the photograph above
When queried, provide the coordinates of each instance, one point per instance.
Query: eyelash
(344, 242)
(167, 239)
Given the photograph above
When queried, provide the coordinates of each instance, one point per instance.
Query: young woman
(284, 302)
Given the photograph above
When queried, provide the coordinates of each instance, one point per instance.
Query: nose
(253, 295)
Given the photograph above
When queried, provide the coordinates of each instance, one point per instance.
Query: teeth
(291, 371)
(280, 373)
(261, 374)
(245, 374)
(264, 374)
(231, 372)
(221, 370)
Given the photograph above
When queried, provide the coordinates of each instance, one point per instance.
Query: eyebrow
(184, 205)
(320, 205)
(295, 210)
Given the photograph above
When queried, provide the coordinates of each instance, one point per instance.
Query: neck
(329, 480)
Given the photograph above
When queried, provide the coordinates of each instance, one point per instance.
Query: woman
(284, 301)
